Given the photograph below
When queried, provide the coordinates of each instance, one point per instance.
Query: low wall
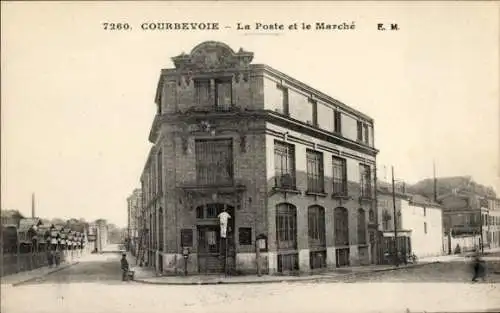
(466, 243)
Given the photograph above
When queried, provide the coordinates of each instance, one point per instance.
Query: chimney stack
(33, 205)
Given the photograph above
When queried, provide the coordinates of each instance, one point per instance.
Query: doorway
(215, 254)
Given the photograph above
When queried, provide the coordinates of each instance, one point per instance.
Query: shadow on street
(96, 268)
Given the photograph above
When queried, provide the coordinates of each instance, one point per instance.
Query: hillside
(446, 185)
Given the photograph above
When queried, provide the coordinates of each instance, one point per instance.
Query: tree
(57, 221)
(446, 185)
(11, 217)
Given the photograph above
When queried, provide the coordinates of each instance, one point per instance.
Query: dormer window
(314, 109)
(202, 91)
(337, 128)
(363, 133)
(284, 105)
(360, 131)
(366, 134)
(224, 94)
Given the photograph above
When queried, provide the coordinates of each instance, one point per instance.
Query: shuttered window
(214, 161)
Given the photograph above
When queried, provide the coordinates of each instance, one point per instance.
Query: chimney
(33, 205)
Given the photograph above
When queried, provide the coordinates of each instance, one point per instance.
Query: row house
(291, 165)
(418, 223)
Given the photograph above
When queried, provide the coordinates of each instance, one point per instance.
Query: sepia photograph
(250, 156)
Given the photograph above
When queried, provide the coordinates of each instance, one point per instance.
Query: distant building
(465, 214)
(493, 222)
(27, 229)
(101, 228)
(134, 213)
(289, 164)
(419, 223)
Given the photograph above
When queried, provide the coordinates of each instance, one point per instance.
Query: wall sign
(186, 237)
(245, 235)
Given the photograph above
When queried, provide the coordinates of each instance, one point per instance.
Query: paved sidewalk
(23, 277)
(148, 276)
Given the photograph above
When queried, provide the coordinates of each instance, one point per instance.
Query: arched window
(341, 218)
(316, 225)
(316, 231)
(361, 227)
(286, 226)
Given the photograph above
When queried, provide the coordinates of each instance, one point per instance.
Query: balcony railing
(366, 191)
(284, 181)
(224, 107)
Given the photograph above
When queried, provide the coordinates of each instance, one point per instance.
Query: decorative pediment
(213, 55)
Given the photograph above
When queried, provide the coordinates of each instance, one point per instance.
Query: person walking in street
(479, 268)
(125, 267)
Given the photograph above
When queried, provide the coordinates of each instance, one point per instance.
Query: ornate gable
(213, 56)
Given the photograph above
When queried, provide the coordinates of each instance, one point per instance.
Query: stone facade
(180, 209)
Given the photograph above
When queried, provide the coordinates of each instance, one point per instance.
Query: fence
(12, 264)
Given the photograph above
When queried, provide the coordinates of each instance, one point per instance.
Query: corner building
(289, 163)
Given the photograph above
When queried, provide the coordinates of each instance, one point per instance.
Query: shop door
(209, 247)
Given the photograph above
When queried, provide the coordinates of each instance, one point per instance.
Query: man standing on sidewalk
(125, 268)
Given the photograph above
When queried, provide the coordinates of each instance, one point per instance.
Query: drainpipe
(375, 203)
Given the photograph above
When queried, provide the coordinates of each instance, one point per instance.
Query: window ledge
(286, 190)
(317, 248)
(316, 194)
(340, 196)
(342, 246)
(363, 245)
(366, 198)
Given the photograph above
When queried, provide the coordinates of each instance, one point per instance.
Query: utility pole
(435, 181)
(395, 219)
(481, 229)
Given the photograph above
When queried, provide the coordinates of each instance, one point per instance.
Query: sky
(77, 101)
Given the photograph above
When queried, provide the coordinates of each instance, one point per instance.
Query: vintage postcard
(250, 156)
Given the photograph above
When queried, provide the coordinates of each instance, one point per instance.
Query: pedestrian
(479, 268)
(125, 267)
(57, 257)
(50, 258)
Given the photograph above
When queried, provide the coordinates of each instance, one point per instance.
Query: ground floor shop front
(289, 238)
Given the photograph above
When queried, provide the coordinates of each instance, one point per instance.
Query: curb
(45, 274)
(291, 280)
